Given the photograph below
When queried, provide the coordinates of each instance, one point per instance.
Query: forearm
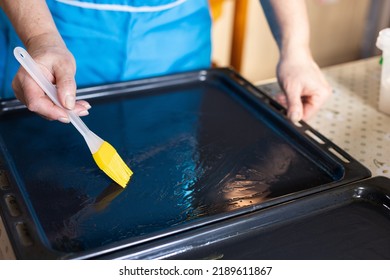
(289, 25)
(31, 19)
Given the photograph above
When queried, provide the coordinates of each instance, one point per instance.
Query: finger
(281, 98)
(313, 103)
(315, 99)
(295, 108)
(17, 87)
(45, 107)
(81, 108)
(30, 94)
(84, 104)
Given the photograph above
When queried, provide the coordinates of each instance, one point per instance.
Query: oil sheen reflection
(240, 158)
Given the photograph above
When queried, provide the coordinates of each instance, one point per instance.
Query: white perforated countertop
(350, 119)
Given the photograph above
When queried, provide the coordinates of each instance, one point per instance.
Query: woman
(119, 40)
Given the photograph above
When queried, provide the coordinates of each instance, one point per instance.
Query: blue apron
(118, 40)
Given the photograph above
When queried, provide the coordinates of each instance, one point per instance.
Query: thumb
(66, 85)
(295, 107)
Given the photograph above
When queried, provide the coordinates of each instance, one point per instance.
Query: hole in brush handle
(35, 72)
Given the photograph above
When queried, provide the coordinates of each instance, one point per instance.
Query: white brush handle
(93, 141)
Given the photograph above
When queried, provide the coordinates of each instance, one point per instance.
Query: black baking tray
(205, 146)
(347, 223)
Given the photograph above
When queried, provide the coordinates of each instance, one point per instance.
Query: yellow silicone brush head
(112, 164)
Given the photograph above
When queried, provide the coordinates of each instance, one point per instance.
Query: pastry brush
(105, 156)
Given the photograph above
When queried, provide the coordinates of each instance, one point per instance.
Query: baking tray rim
(202, 75)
